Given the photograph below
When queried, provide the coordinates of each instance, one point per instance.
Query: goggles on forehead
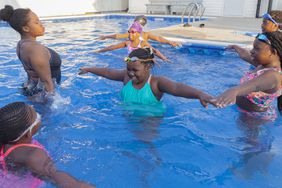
(263, 38)
(268, 17)
(37, 120)
(133, 59)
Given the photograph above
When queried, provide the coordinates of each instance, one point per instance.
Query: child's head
(139, 62)
(22, 20)
(17, 120)
(141, 19)
(267, 48)
(135, 31)
(269, 23)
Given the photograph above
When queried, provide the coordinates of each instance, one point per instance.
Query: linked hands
(223, 100)
(227, 98)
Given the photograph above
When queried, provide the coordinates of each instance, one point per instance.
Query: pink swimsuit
(8, 179)
(130, 48)
(261, 99)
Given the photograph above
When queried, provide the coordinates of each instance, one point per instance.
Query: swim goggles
(263, 38)
(37, 120)
(268, 17)
(133, 59)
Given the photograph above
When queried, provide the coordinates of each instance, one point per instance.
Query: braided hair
(145, 54)
(276, 43)
(16, 18)
(276, 15)
(14, 120)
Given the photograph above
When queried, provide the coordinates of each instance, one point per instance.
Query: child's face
(261, 52)
(268, 26)
(137, 71)
(133, 34)
(34, 27)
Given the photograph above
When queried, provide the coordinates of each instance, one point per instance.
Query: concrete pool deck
(220, 30)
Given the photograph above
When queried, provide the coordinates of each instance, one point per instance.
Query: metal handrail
(196, 8)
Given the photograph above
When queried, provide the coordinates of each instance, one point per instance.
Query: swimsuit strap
(20, 43)
(5, 154)
(149, 79)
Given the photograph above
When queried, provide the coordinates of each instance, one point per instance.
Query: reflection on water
(256, 155)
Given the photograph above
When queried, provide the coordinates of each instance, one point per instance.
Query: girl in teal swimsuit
(140, 86)
(260, 87)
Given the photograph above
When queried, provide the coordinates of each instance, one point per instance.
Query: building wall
(218, 7)
(67, 7)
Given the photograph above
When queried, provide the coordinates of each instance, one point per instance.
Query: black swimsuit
(34, 85)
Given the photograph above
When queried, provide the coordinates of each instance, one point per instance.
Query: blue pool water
(90, 134)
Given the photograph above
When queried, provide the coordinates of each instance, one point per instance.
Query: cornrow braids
(276, 15)
(276, 43)
(16, 18)
(14, 120)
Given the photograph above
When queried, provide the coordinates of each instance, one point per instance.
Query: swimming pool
(90, 134)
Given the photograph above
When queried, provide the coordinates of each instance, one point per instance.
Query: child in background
(270, 23)
(145, 35)
(134, 42)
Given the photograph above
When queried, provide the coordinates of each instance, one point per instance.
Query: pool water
(90, 134)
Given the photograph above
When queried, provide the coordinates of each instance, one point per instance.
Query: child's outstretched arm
(182, 90)
(157, 52)
(112, 74)
(162, 40)
(114, 36)
(42, 166)
(244, 54)
(269, 80)
(112, 47)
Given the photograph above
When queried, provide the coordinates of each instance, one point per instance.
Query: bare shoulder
(159, 80)
(24, 154)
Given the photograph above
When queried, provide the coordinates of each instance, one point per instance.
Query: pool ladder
(195, 9)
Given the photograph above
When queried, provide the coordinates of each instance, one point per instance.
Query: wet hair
(276, 15)
(276, 43)
(141, 19)
(17, 18)
(14, 120)
(143, 53)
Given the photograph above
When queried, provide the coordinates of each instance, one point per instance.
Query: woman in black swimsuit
(42, 65)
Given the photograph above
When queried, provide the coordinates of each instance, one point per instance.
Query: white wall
(277, 5)
(250, 8)
(67, 7)
(137, 6)
(213, 7)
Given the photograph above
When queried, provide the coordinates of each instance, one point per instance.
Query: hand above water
(205, 99)
(83, 70)
(226, 98)
(175, 44)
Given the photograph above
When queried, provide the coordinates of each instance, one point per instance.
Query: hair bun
(6, 13)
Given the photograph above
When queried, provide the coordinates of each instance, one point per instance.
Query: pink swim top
(260, 98)
(130, 48)
(8, 179)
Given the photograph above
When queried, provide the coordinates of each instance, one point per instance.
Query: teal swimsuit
(141, 102)
(144, 95)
